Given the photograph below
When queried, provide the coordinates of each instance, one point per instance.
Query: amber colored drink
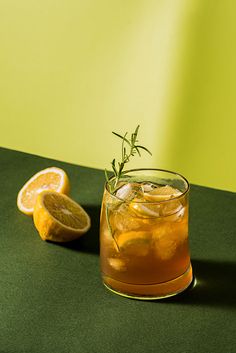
(144, 248)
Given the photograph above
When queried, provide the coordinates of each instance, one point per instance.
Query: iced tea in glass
(144, 248)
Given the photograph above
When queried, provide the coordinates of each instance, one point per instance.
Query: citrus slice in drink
(161, 193)
(134, 243)
(58, 218)
(153, 204)
(47, 179)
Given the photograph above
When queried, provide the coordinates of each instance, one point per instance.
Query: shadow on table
(215, 285)
(215, 281)
(90, 241)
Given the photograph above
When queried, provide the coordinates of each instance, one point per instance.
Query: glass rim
(150, 202)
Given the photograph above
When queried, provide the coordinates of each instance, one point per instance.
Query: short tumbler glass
(144, 247)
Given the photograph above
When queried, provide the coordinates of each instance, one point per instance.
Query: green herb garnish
(129, 148)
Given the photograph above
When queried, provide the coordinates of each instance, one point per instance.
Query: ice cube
(129, 191)
(123, 219)
(145, 210)
(172, 208)
(166, 248)
(117, 264)
(175, 214)
(168, 237)
(147, 187)
(165, 240)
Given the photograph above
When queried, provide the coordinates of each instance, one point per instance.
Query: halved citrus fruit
(47, 179)
(58, 218)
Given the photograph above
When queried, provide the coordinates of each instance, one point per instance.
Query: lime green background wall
(71, 71)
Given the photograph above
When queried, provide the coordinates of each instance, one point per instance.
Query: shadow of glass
(214, 281)
(214, 285)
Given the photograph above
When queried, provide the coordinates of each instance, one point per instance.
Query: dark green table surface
(51, 296)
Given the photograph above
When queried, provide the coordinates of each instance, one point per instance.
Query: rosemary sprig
(129, 148)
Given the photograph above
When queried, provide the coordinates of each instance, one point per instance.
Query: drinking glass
(144, 247)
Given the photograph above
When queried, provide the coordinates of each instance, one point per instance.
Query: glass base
(150, 291)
